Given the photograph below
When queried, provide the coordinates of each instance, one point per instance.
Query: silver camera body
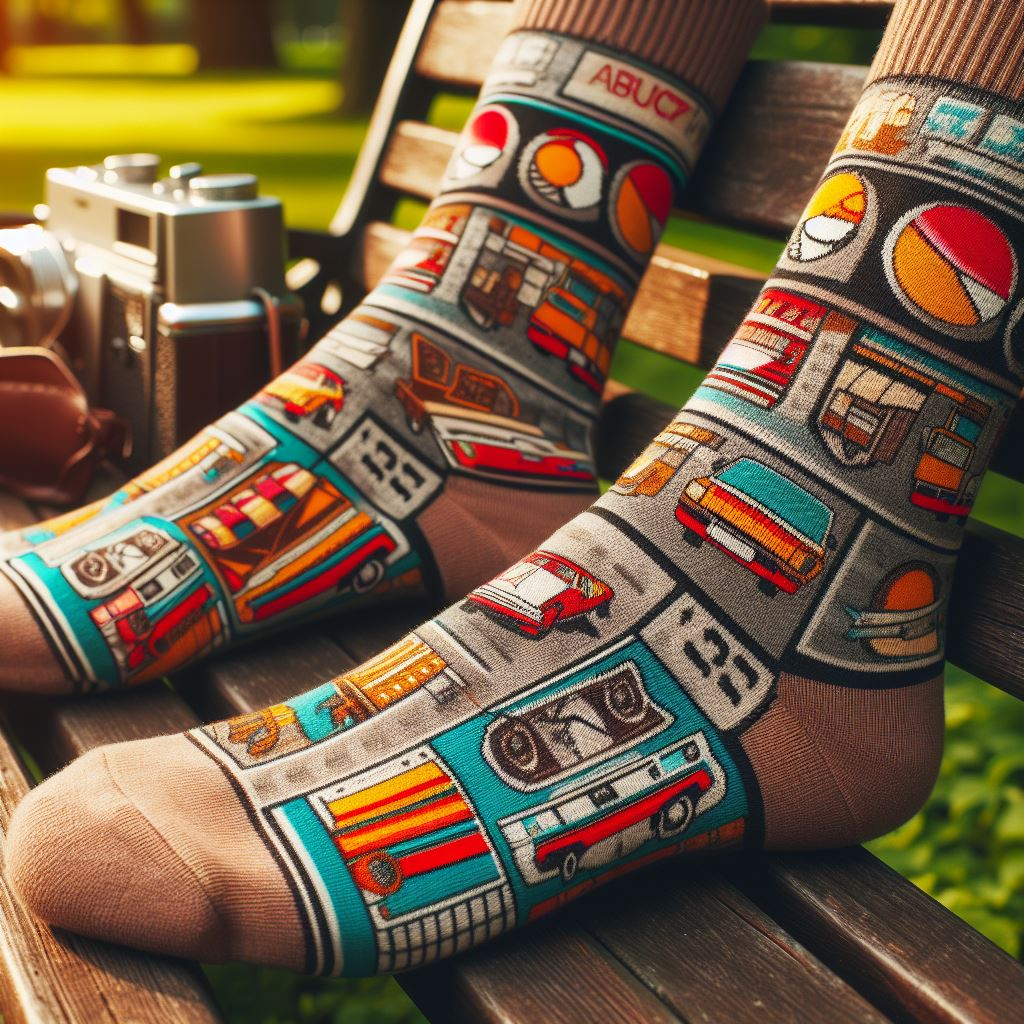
(159, 290)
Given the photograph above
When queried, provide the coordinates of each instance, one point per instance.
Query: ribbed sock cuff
(702, 42)
(977, 42)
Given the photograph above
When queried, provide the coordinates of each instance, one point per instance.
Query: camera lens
(37, 287)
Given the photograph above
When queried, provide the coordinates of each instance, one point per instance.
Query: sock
(445, 425)
(740, 644)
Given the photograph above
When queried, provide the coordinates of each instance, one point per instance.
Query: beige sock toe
(26, 662)
(147, 844)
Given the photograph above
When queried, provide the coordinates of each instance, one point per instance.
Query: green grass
(966, 846)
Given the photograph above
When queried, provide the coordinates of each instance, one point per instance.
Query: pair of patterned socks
(741, 643)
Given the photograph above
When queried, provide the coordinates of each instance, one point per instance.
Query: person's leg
(741, 643)
(443, 427)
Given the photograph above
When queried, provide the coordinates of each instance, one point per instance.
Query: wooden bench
(834, 935)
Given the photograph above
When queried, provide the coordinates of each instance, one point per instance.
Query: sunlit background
(283, 89)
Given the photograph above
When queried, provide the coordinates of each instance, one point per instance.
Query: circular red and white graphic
(565, 169)
(953, 264)
(489, 135)
(641, 206)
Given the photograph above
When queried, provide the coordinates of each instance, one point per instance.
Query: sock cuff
(702, 42)
(976, 42)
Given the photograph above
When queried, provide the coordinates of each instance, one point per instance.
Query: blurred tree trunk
(5, 37)
(370, 29)
(136, 27)
(233, 33)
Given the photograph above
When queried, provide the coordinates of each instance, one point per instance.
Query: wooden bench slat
(263, 673)
(553, 973)
(909, 954)
(647, 923)
(69, 980)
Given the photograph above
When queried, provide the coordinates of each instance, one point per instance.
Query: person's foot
(436, 433)
(741, 643)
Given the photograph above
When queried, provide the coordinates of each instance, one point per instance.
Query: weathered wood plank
(986, 615)
(47, 978)
(464, 35)
(986, 611)
(682, 929)
(554, 973)
(908, 954)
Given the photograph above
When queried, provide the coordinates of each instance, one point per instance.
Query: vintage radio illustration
(419, 857)
(475, 417)
(760, 519)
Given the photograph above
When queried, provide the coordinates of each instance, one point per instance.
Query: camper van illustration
(540, 591)
(475, 419)
(614, 810)
(306, 390)
(943, 483)
(759, 364)
(648, 473)
(575, 311)
(286, 536)
(762, 520)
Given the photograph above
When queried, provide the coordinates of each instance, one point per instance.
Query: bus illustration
(575, 311)
(760, 519)
(475, 419)
(422, 262)
(942, 481)
(168, 615)
(536, 743)
(614, 810)
(306, 390)
(760, 362)
(287, 536)
(870, 410)
(648, 473)
(540, 591)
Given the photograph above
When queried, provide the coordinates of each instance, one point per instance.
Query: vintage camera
(165, 295)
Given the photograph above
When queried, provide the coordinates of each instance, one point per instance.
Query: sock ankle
(445, 425)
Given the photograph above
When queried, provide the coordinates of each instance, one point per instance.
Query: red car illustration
(541, 590)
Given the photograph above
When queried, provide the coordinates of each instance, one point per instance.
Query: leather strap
(50, 439)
